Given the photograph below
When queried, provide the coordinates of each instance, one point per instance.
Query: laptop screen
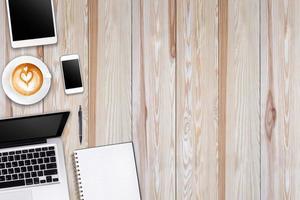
(32, 127)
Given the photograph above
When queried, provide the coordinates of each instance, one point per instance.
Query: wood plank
(280, 93)
(243, 99)
(5, 104)
(222, 90)
(139, 110)
(72, 27)
(153, 93)
(93, 54)
(111, 71)
(197, 99)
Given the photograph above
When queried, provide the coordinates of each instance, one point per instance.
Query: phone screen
(71, 72)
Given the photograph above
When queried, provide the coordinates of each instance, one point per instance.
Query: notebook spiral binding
(77, 170)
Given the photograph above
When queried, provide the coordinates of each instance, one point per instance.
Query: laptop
(32, 165)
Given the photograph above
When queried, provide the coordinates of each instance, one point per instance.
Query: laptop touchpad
(24, 195)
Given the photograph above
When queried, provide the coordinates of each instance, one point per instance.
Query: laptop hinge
(22, 143)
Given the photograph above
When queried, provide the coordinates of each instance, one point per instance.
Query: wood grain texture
(72, 27)
(4, 39)
(93, 53)
(280, 92)
(222, 88)
(139, 109)
(110, 45)
(242, 104)
(222, 84)
(154, 96)
(197, 99)
(182, 79)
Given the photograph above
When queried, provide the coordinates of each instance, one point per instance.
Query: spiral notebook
(107, 172)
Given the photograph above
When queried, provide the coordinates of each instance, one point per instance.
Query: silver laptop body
(32, 164)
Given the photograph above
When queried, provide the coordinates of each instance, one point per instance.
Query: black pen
(80, 124)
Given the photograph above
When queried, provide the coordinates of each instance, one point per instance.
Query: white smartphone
(72, 76)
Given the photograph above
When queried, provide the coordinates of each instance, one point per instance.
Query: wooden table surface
(208, 90)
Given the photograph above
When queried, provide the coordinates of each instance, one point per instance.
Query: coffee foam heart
(27, 79)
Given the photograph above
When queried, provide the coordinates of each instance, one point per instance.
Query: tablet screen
(31, 19)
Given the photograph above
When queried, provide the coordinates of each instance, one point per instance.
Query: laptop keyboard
(27, 167)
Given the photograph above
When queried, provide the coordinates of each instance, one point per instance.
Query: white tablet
(31, 22)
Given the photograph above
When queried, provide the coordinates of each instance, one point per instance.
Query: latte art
(27, 79)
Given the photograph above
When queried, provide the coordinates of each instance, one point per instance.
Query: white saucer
(16, 97)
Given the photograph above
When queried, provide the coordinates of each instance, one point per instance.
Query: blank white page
(108, 173)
